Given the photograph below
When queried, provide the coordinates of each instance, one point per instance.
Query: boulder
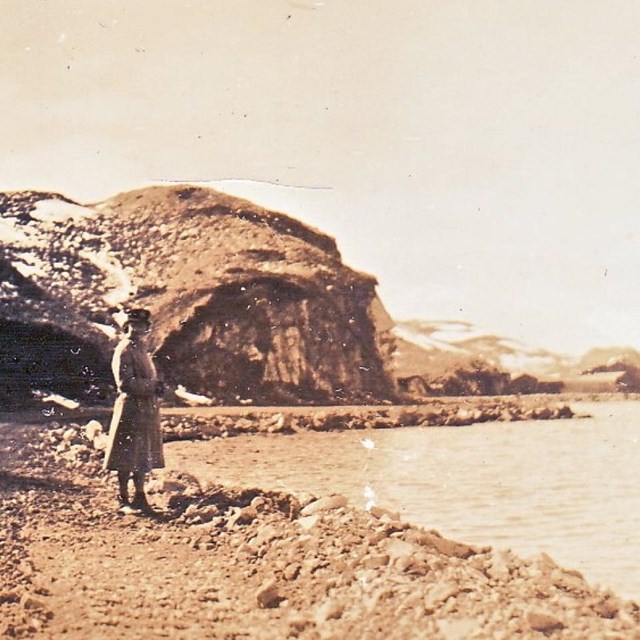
(324, 504)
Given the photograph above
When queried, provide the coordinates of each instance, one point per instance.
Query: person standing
(135, 437)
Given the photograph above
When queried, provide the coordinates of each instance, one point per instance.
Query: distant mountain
(438, 346)
(609, 357)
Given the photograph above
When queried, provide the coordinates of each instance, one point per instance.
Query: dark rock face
(248, 305)
(47, 360)
(273, 343)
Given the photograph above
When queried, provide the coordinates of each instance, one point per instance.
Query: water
(565, 487)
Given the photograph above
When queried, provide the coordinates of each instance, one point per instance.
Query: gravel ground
(222, 562)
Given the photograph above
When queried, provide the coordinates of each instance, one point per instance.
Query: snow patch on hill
(59, 211)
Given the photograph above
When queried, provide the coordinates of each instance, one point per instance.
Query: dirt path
(135, 581)
(219, 562)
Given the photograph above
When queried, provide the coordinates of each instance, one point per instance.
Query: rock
(379, 512)
(439, 594)
(191, 511)
(374, 561)
(446, 547)
(208, 513)
(280, 422)
(417, 564)
(569, 580)
(463, 417)
(543, 621)
(297, 624)
(30, 603)
(307, 522)
(291, 571)
(324, 504)
(259, 503)
(330, 610)
(318, 420)
(375, 537)
(545, 563)
(242, 516)
(268, 596)
(9, 596)
(498, 568)
(397, 549)
(458, 629)
(92, 429)
(565, 412)
(100, 442)
(266, 533)
(70, 436)
(606, 608)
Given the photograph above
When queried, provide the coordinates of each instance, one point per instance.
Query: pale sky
(479, 157)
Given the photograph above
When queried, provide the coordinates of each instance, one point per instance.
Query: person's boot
(139, 503)
(124, 506)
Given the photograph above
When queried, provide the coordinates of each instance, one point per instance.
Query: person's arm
(126, 378)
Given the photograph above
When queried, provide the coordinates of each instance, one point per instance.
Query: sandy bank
(228, 563)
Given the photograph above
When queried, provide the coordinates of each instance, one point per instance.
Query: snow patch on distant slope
(425, 341)
(59, 211)
(459, 338)
(12, 232)
(28, 270)
(104, 260)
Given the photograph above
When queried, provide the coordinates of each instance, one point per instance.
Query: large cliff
(249, 305)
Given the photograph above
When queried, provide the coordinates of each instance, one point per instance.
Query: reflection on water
(565, 487)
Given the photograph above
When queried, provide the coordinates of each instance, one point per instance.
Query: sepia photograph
(319, 319)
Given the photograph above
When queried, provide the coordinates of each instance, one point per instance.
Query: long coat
(135, 438)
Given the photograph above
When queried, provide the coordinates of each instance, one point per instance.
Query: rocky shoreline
(184, 423)
(238, 563)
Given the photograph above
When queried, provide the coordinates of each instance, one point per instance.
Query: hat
(138, 315)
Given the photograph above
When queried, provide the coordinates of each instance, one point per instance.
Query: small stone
(9, 596)
(397, 549)
(29, 602)
(291, 571)
(266, 533)
(190, 511)
(268, 595)
(374, 561)
(258, 503)
(330, 610)
(307, 522)
(69, 435)
(209, 512)
(92, 429)
(445, 547)
(379, 512)
(245, 515)
(101, 442)
(606, 608)
(297, 624)
(324, 504)
(439, 594)
(543, 621)
(498, 568)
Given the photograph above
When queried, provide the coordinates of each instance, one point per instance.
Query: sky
(478, 157)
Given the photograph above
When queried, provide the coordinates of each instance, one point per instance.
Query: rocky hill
(249, 305)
